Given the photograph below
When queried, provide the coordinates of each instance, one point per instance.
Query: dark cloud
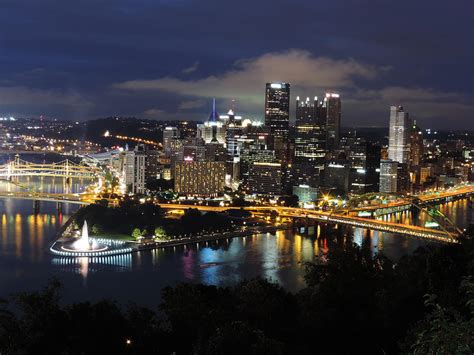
(74, 52)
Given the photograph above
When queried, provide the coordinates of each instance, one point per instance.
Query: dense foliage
(354, 303)
(132, 215)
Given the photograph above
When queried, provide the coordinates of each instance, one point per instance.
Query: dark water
(25, 263)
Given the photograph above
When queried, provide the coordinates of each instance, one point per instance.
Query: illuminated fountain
(89, 247)
(84, 244)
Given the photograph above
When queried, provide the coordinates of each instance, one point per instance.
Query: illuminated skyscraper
(169, 134)
(332, 103)
(134, 169)
(388, 176)
(310, 142)
(277, 108)
(399, 137)
(265, 178)
(277, 116)
(416, 146)
(364, 158)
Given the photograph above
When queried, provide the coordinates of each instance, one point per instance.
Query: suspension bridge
(65, 168)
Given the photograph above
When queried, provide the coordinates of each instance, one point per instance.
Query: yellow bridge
(65, 168)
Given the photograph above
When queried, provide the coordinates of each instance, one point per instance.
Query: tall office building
(364, 158)
(309, 142)
(277, 116)
(193, 149)
(152, 163)
(169, 134)
(388, 176)
(416, 146)
(399, 137)
(337, 175)
(265, 178)
(134, 169)
(234, 129)
(332, 103)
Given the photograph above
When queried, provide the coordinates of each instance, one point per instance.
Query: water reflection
(457, 211)
(86, 265)
(23, 234)
(45, 184)
(25, 238)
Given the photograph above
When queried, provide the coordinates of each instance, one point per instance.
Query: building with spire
(213, 130)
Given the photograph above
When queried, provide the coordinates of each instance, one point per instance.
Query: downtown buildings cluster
(309, 159)
(301, 152)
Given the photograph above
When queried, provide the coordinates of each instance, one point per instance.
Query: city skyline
(167, 71)
(212, 177)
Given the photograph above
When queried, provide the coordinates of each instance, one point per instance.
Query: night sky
(166, 59)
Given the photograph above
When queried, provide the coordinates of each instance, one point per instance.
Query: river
(26, 264)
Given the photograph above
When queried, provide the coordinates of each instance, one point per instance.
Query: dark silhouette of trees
(289, 201)
(131, 215)
(155, 185)
(355, 302)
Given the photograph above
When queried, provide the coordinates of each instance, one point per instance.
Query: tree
(111, 180)
(41, 320)
(137, 233)
(240, 338)
(347, 294)
(239, 201)
(96, 229)
(103, 202)
(161, 233)
(289, 201)
(191, 221)
(159, 184)
(446, 330)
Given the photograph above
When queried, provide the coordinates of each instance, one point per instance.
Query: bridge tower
(9, 170)
(67, 167)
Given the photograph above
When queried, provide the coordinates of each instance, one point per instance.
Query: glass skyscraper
(332, 102)
(399, 136)
(277, 116)
(310, 142)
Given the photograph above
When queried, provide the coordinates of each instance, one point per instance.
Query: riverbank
(118, 247)
(66, 232)
(211, 237)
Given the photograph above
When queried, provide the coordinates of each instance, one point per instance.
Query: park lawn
(115, 236)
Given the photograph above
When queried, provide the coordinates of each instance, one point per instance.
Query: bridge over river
(65, 168)
(336, 217)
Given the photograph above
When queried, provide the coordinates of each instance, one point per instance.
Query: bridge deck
(327, 217)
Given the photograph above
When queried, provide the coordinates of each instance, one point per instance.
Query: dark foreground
(354, 303)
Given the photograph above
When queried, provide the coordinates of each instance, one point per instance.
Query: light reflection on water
(26, 263)
(85, 265)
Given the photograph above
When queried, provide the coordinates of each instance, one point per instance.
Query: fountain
(84, 244)
(89, 247)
